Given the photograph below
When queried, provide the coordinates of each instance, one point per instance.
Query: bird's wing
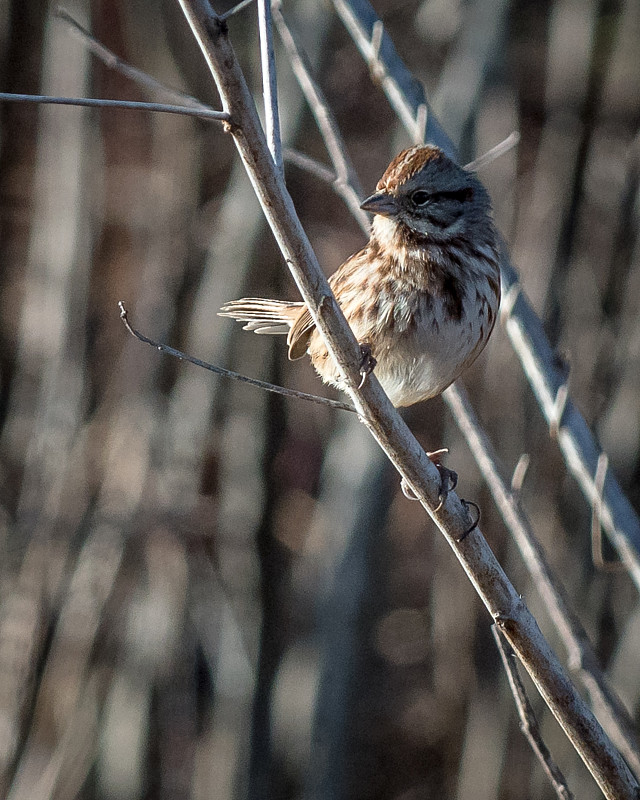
(300, 333)
(346, 276)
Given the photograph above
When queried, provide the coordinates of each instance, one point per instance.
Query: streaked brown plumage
(423, 294)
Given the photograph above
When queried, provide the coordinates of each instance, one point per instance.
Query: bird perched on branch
(421, 296)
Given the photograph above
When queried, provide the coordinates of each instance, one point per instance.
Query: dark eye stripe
(461, 195)
(421, 197)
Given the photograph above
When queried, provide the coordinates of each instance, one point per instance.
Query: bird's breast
(425, 340)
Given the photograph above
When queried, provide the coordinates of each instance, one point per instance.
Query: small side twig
(310, 165)
(269, 82)
(232, 11)
(494, 153)
(528, 723)
(132, 105)
(519, 474)
(345, 180)
(269, 387)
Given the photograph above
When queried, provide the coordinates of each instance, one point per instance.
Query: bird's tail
(262, 316)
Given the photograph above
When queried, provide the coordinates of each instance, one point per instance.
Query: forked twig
(269, 387)
(528, 723)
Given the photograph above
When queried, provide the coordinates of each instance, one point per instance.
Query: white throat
(384, 230)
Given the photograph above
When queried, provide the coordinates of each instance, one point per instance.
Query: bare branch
(346, 181)
(528, 723)
(269, 387)
(384, 422)
(269, 82)
(581, 655)
(112, 61)
(311, 165)
(496, 151)
(232, 11)
(131, 105)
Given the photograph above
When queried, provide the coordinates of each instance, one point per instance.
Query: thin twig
(345, 181)
(495, 152)
(232, 11)
(113, 61)
(269, 82)
(310, 165)
(528, 723)
(269, 387)
(131, 105)
(374, 407)
(582, 658)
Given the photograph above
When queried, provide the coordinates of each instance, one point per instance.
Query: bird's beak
(381, 203)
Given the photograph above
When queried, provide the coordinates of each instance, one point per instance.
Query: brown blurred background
(211, 592)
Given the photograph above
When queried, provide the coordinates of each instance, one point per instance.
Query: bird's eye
(420, 197)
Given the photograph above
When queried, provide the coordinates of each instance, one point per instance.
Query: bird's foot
(367, 362)
(448, 479)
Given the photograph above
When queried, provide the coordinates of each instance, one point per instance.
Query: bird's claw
(407, 491)
(448, 478)
(475, 523)
(367, 362)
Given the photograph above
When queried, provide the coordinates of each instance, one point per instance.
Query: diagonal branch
(541, 365)
(384, 422)
(345, 181)
(582, 657)
(528, 723)
(113, 61)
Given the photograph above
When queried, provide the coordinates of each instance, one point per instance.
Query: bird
(421, 296)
